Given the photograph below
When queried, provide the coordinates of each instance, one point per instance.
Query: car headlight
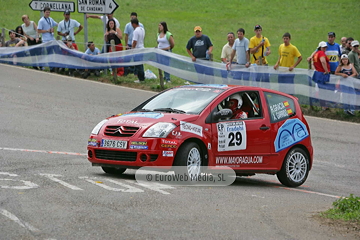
(98, 127)
(159, 130)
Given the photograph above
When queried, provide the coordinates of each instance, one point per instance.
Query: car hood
(145, 119)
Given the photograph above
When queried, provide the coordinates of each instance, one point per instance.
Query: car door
(243, 143)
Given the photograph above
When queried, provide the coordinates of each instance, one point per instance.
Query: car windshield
(190, 100)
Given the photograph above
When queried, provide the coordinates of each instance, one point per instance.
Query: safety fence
(338, 92)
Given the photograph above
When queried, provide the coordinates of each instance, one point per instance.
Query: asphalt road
(48, 189)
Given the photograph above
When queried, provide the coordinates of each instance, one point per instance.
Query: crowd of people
(329, 58)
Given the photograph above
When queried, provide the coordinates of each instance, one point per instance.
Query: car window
(280, 107)
(191, 100)
(250, 107)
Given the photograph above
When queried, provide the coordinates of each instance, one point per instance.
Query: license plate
(113, 144)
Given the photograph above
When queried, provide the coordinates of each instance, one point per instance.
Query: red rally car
(250, 129)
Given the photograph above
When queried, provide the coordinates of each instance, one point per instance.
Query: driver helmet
(235, 101)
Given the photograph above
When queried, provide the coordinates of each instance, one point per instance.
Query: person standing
(240, 51)
(321, 74)
(354, 56)
(228, 48)
(343, 44)
(128, 31)
(66, 27)
(46, 26)
(115, 34)
(287, 55)
(138, 42)
(200, 47)
(260, 48)
(165, 42)
(345, 70)
(30, 30)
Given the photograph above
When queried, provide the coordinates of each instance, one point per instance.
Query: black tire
(295, 168)
(111, 170)
(190, 158)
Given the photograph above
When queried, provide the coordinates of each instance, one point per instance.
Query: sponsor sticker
(92, 142)
(138, 143)
(237, 160)
(169, 143)
(168, 153)
(138, 147)
(191, 128)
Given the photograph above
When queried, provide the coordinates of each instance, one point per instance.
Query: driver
(235, 103)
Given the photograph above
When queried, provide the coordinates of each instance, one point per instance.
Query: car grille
(120, 131)
(115, 155)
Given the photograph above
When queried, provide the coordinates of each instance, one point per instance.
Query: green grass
(308, 21)
(347, 209)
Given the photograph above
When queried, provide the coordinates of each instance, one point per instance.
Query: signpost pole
(85, 31)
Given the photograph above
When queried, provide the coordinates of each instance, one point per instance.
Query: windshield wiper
(171, 110)
(144, 110)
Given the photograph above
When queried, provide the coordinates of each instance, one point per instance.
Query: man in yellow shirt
(287, 55)
(259, 47)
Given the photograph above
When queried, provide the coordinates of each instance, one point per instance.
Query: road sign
(53, 5)
(97, 6)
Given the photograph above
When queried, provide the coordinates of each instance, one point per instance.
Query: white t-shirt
(68, 26)
(138, 36)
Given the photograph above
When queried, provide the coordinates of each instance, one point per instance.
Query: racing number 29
(235, 138)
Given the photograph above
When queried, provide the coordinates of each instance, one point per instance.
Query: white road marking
(130, 189)
(152, 186)
(53, 178)
(18, 221)
(42, 151)
(9, 174)
(28, 184)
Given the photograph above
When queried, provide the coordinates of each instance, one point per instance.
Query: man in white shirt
(138, 42)
(66, 27)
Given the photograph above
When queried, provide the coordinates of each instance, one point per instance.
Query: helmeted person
(235, 103)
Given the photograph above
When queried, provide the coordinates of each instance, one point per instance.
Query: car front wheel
(112, 170)
(295, 168)
(189, 156)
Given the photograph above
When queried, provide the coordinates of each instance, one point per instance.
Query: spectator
(333, 52)
(199, 46)
(128, 40)
(30, 31)
(321, 74)
(354, 56)
(260, 48)
(287, 54)
(20, 34)
(70, 44)
(348, 46)
(46, 26)
(67, 27)
(115, 34)
(343, 44)
(228, 48)
(107, 18)
(240, 50)
(165, 42)
(92, 50)
(345, 70)
(138, 42)
(14, 41)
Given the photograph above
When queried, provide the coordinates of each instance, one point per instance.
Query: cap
(68, 38)
(344, 56)
(67, 12)
(257, 27)
(331, 34)
(197, 28)
(355, 43)
(322, 44)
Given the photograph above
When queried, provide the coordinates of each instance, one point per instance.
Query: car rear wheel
(189, 156)
(111, 170)
(295, 168)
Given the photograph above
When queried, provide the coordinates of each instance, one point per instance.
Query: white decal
(239, 160)
(192, 128)
(231, 136)
(168, 153)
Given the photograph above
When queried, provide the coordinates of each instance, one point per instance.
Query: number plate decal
(113, 144)
(231, 136)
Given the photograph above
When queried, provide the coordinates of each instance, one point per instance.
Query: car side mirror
(223, 113)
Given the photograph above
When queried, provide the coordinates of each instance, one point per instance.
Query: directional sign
(97, 6)
(54, 6)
